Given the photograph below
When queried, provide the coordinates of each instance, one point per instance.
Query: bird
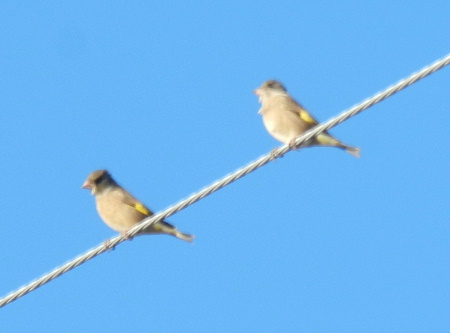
(120, 210)
(285, 119)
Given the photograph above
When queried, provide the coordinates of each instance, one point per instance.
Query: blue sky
(160, 94)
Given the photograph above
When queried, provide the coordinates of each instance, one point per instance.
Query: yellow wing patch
(305, 116)
(141, 209)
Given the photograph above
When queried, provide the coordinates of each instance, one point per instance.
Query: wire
(226, 180)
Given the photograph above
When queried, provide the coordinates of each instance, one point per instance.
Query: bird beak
(259, 94)
(86, 185)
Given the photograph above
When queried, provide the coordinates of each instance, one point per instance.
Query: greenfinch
(120, 210)
(285, 119)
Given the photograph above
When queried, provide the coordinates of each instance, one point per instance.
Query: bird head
(268, 89)
(98, 181)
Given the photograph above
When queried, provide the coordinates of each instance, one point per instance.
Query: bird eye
(99, 179)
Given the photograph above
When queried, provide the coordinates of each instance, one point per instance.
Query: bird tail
(162, 227)
(324, 139)
(171, 230)
(186, 237)
(354, 151)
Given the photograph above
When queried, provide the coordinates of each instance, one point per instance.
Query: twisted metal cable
(226, 180)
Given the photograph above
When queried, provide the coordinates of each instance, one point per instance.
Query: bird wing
(293, 106)
(306, 117)
(141, 208)
(131, 201)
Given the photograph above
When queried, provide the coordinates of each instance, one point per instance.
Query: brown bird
(285, 119)
(120, 210)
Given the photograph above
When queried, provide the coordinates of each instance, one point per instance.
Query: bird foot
(292, 144)
(274, 154)
(107, 245)
(125, 235)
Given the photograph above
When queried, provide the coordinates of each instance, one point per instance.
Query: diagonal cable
(437, 65)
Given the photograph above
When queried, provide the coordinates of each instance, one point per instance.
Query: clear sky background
(160, 94)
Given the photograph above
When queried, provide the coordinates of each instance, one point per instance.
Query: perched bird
(285, 119)
(120, 210)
